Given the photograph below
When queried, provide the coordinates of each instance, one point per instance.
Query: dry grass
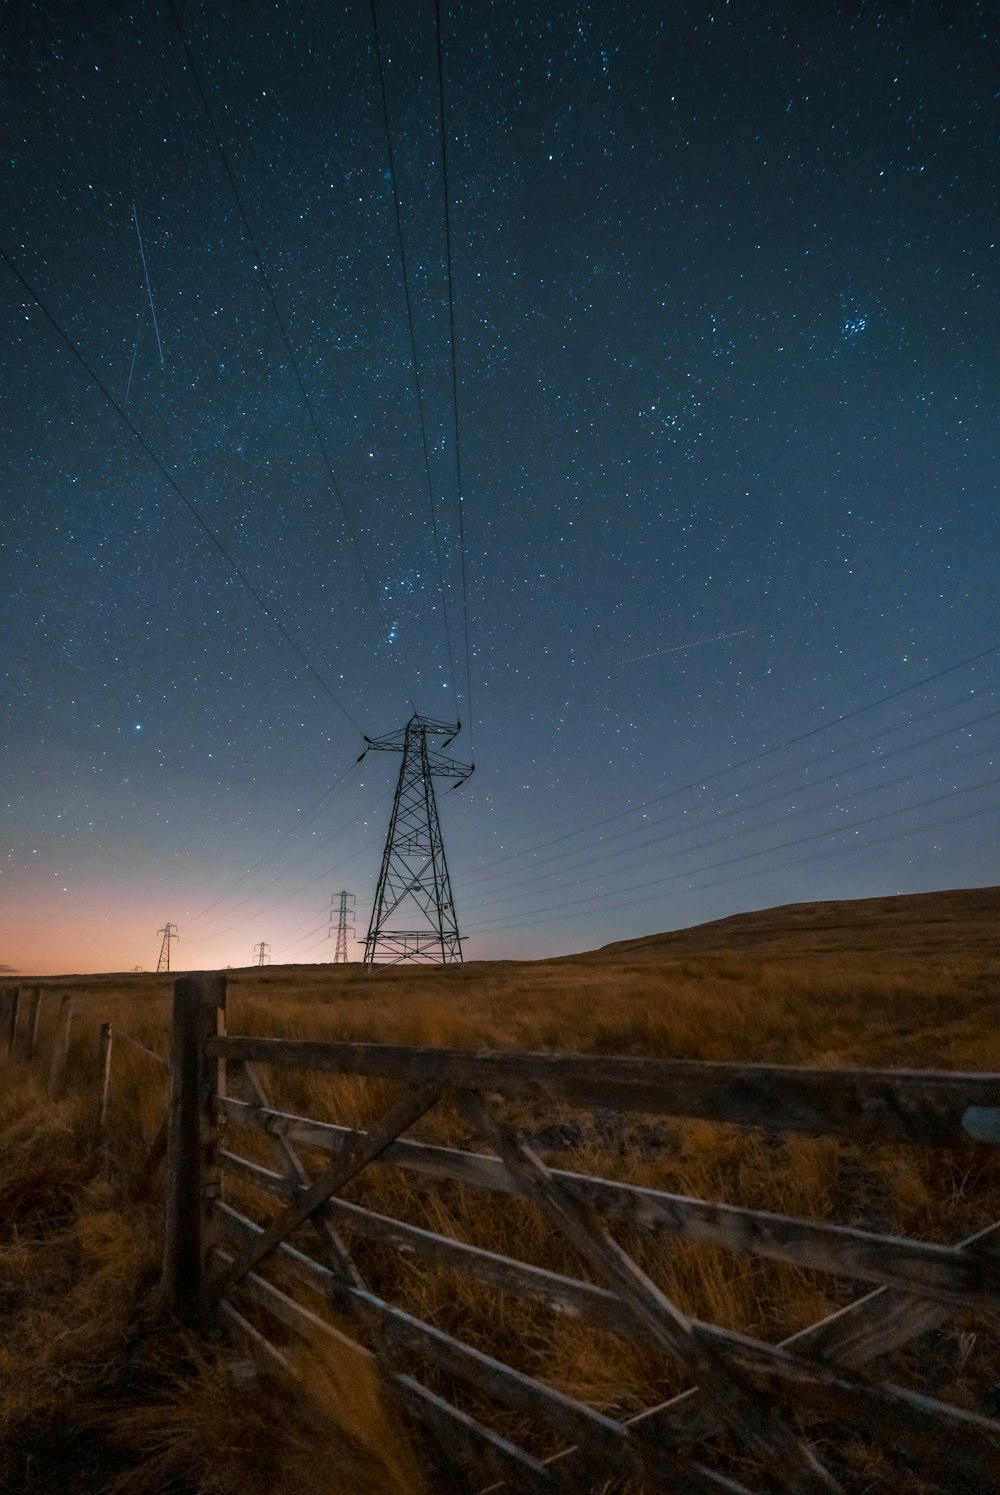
(98, 1370)
(100, 1389)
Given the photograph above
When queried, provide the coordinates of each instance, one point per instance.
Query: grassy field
(102, 1391)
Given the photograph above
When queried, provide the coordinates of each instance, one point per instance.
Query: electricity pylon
(413, 917)
(261, 954)
(344, 914)
(169, 932)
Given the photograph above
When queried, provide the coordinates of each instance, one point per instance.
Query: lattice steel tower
(169, 932)
(345, 916)
(414, 915)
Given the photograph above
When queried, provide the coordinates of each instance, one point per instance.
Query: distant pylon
(261, 954)
(169, 932)
(344, 914)
(414, 914)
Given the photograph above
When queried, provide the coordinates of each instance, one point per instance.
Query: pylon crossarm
(741, 1409)
(408, 1109)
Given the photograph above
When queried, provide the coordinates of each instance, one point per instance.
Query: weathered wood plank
(481, 1446)
(922, 1106)
(563, 1295)
(104, 1052)
(335, 1252)
(963, 1446)
(501, 1458)
(261, 1347)
(34, 1016)
(743, 1412)
(691, 1417)
(880, 1322)
(917, 1267)
(883, 1320)
(192, 1141)
(13, 1000)
(366, 1147)
(400, 1331)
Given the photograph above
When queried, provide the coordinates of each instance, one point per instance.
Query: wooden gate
(788, 1410)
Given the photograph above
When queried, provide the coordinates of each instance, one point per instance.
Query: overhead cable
(283, 332)
(454, 370)
(730, 836)
(527, 920)
(172, 482)
(754, 758)
(415, 363)
(273, 850)
(780, 846)
(741, 809)
(280, 877)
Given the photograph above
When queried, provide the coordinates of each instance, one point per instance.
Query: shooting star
(135, 352)
(149, 289)
(679, 648)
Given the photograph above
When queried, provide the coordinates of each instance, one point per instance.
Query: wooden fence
(788, 1410)
(763, 1396)
(20, 1022)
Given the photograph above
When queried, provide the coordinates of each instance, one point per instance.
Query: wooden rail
(774, 1401)
(22, 1043)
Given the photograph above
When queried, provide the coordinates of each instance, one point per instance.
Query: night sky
(726, 317)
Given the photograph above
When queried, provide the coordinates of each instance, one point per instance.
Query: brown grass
(99, 1376)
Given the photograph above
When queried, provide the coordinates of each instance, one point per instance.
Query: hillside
(960, 920)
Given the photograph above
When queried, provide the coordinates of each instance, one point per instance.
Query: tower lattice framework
(345, 921)
(414, 917)
(169, 933)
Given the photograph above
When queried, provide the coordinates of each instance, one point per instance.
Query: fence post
(13, 996)
(193, 1174)
(34, 1013)
(61, 1049)
(103, 1081)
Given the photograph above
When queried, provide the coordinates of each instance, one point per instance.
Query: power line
(490, 876)
(413, 344)
(770, 799)
(321, 877)
(293, 361)
(273, 850)
(719, 882)
(454, 368)
(287, 870)
(719, 773)
(768, 824)
(748, 855)
(291, 944)
(171, 481)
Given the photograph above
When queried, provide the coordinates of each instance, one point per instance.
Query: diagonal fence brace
(740, 1407)
(330, 1238)
(408, 1109)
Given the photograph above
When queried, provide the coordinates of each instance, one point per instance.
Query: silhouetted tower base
(414, 914)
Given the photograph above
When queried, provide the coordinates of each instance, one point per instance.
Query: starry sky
(692, 521)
